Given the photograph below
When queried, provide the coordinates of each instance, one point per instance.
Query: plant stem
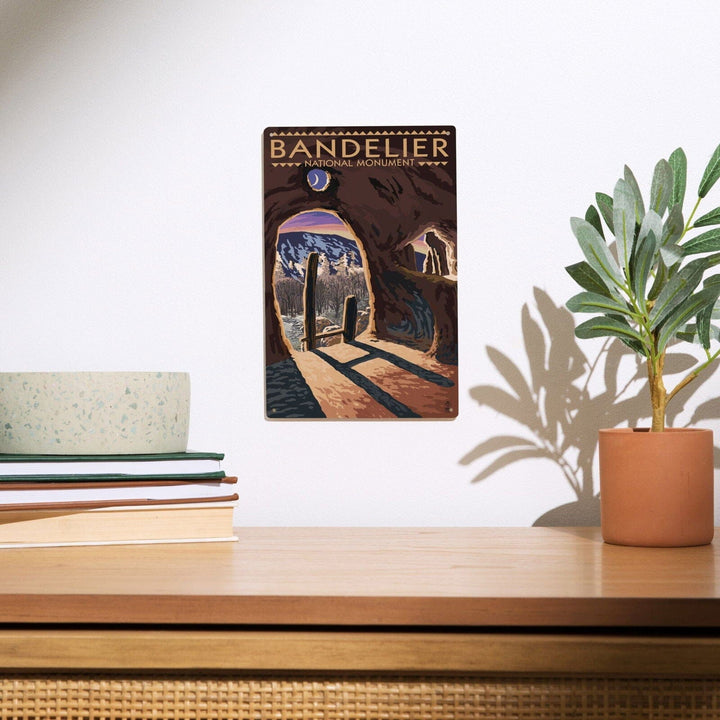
(658, 394)
(692, 375)
(690, 219)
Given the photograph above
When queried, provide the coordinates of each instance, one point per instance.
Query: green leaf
(607, 327)
(661, 187)
(716, 310)
(605, 205)
(597, 253)
(661, 276)
(704, 317)
(652, 223)
(689, 308)
(624, 215)
(589, 302)
(673, 227)
(678, 163)
(707, 242)
(643, 262)
(712, 260)
(635, 345)
(639, 204)
(703, 326)
(645, 253)
(687, 333)
(678, 288)
(671, 254)
(711, 174)
(587, 278)
(711, 218)
(593, 217)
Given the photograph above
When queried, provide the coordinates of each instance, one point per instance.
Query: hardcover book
(181, 463)
(360, 282)
(41, 495)
(127, 525)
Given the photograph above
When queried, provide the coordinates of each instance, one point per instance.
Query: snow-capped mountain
(294, 247)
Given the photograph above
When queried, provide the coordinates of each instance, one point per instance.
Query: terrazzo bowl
(94, 413)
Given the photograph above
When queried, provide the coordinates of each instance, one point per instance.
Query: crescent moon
(318, 179)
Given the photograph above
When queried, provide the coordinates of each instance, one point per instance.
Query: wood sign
(360, 283)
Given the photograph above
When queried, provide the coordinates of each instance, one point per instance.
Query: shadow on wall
(565, 399)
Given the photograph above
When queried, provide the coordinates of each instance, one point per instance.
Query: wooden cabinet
(362, 623)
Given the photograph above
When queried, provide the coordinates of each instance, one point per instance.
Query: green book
(188, 465)
(111, 477)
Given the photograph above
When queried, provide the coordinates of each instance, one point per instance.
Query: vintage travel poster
(360, 286)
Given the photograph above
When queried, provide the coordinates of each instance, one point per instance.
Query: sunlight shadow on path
(376, 393)
(402, 363)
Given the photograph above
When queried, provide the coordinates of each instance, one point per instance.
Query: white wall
(130, 203)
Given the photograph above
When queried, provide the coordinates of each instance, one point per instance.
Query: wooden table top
(412, 577)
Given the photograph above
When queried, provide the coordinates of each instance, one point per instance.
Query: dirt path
(379, 379)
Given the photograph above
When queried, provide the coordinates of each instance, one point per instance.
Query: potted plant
(650, 284)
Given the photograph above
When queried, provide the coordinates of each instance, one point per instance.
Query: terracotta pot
(656, 489)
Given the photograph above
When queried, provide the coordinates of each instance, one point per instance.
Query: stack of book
(48, 500)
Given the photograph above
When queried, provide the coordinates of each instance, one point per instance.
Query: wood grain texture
(357, 651)
(470, 577)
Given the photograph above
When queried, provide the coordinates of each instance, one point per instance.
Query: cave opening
(342, 271)
(429, 253)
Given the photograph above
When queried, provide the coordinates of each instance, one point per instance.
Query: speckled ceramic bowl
(94, 413)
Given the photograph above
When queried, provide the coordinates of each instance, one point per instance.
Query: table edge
(288, 610)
